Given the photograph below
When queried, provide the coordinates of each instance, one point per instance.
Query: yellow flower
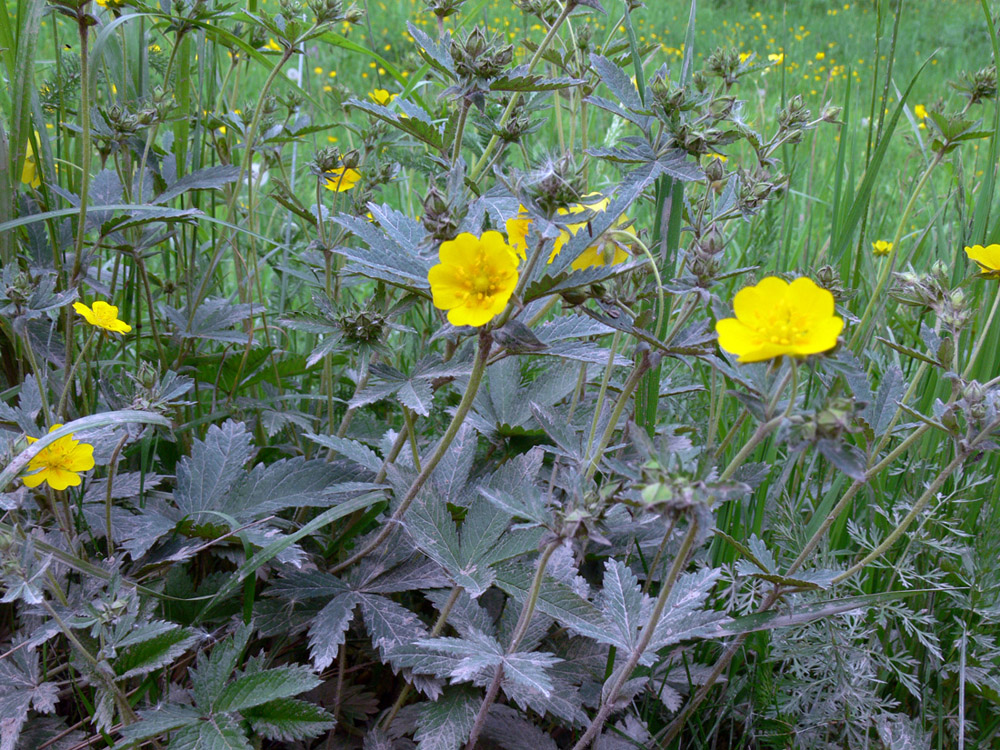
(474, 279)
(775, 318)
(272, 46)
(29, 173)
(987, 257)
(920, 111)
(595, 255)
(820, 55)
(381, 96)
(881, 247)
(59, 464)
(342, 179)
(719, 157)
(102, 315)
(777, 59)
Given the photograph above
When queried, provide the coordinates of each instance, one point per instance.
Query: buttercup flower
(881, 247)
(777, 59)
(60, 464)
(381, 96)
(775, 318)
(103, 316)
(474, 279)
(920, 111)
(342, 179)
(987, 257)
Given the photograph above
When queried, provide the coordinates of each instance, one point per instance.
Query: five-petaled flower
(601, 253)
(475, 278)
(987, 257)
(881, 247)
(341, 179)
(102, 315)
(775, 318)
(381, 96)
(60, 463)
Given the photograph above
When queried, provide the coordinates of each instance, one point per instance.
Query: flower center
(480, 281)
(781, 327)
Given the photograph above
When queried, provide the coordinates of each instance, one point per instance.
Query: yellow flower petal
(987, 257)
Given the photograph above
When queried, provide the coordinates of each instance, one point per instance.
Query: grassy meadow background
(238, 312)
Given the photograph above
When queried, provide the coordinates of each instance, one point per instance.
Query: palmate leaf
(214, 320)
(617, 82)
(150, 647)
(22, 688)
(467, 556)
(207, 474)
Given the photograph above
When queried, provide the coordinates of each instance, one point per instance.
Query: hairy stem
(485, 343)
(647, 635)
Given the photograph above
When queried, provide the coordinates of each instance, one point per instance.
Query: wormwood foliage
(386, 380)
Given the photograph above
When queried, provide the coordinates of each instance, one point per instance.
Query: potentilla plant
(473, 399)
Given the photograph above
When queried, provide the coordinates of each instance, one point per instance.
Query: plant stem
(630, 385)
(495, 140)
(519, 630)
(439, 624)
(977, 349)
(647, 635)
(478, 368)
(85, 157)
(861, 331)
(765, 429)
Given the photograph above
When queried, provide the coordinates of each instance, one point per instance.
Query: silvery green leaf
(205, 477)
(879, 413)
(22, 688)
(446, 723)
(389, 624)
(329, 629)
(208, 178)
(621, 603)
(376, 739)
(528, 670)
(352, 449)
(214, 320)
(466, 613)
(683, 617)
(452, 473)
(166, 717)
(507, 728)
(105, 190)
(617, 82)
(557, 600)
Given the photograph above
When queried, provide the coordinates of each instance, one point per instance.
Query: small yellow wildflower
(381, 96)
(777, 59)
(881, 247)
(29, 173)
(475, 278)
(342, 179)
(988, 259)
(102, 315)
(60, 464)
(272, 45)
(920, 111)
(820, 55)
(775, 318)
(318, 70)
